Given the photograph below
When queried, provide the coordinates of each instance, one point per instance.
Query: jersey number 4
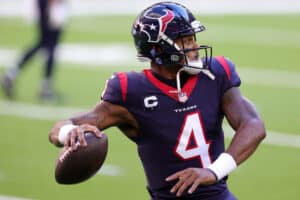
(192, 142)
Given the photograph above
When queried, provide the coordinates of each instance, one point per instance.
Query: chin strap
(182, 96)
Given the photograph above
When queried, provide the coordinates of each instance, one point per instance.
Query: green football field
(266, 50)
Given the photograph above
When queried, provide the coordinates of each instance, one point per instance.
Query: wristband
(64, 132)
(223, 165)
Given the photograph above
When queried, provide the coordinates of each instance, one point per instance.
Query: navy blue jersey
(174, 136)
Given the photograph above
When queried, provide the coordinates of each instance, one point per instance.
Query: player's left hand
(192, 178)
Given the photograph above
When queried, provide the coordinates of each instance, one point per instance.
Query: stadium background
(262, 38)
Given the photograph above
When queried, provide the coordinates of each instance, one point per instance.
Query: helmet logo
(165, 20)
(154, 27)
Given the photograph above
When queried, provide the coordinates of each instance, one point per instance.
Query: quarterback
(174, 110)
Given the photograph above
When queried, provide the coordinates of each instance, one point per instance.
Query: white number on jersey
(192, 133)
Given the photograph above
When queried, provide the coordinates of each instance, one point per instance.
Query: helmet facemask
(198, 64)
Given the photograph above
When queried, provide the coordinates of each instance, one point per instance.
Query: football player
(52, 15)
(174, 110)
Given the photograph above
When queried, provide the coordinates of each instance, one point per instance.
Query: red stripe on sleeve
(225, 65)
(123, 82)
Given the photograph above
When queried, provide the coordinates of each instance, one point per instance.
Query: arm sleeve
(112, 91)
(116, 89)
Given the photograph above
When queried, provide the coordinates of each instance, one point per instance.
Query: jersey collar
(169, 90)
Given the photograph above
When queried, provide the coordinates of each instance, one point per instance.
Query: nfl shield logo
(182, 97)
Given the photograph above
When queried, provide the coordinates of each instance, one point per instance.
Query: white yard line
(104, 54)
(110, 170)
(4, 197)
(82, 54)
(55, 113)
(269, 77)
(273, 138)
(252, 35)
(40, 112)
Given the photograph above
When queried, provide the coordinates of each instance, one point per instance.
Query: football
(76, 166)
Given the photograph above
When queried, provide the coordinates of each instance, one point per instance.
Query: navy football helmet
(158, 26)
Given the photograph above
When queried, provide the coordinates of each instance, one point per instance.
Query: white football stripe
(57, 113)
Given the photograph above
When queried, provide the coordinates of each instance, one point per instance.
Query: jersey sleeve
(113, 91)
(226, 72)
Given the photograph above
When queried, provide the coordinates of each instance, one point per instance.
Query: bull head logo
(154, 27)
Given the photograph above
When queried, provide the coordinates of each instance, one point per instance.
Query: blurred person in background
(51, 18)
